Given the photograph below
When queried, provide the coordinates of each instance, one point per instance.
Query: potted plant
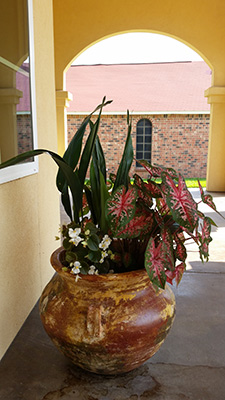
(108, 307)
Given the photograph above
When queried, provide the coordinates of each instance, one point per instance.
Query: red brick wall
(24, 133)
(178, 141)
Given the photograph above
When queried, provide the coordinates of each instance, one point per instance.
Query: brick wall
(178, 141)
(24, 133)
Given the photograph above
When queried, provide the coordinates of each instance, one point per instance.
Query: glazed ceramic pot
(107, 324)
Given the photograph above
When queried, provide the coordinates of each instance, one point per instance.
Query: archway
(180, 134)
(202, 30)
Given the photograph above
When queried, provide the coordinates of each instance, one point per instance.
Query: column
(62, 102)
(9, 98)
(216, 150)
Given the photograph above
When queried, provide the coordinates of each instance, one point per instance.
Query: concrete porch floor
(189, 366)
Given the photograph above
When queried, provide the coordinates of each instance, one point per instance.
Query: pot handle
(94, 320)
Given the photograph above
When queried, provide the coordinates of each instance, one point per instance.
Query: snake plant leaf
(122, 176)
(180, 202)
(99, 158)
(95, 193)
(22, 157)
(156, 262)
(66, 201)
(88, 149)
(104, 195)
(92, 209)
(66, 169)
(71, 178)
(73, 152)
(121, 207)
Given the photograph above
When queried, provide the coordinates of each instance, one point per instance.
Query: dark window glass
(143, 140)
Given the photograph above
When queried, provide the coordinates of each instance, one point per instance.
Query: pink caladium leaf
(138, 226)
(180, 202)
(156, 262)
(180, 250)
(156, 170)
(179, 270)
(143, 193)
(168, 241)
(152, 170)
(162, 206)
(170, 275)
(207, 199)
(205, 239)
(120, 207)
(153, 188)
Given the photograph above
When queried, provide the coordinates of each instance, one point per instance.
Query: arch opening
(172, 128)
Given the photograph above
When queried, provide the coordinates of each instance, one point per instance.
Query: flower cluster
(87, 250)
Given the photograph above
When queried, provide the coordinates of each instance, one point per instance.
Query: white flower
(76, 269)
(104, 255)
(74, 235)
(74, 232)
(91, 270)
(105, 243)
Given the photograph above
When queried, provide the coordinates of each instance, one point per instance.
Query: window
(17, 91)
(143, 140)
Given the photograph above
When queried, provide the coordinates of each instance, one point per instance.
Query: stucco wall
(29, 207)
(200, 25)
(178, 141)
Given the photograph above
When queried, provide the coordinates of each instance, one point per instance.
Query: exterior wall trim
(141, 112)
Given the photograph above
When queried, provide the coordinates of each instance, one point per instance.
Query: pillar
(9, 98)
(216, 151)
(62, 102)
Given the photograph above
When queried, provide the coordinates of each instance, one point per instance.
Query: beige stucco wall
(199, 24)
(29, 207)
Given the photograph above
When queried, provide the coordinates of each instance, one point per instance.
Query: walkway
(189, 366)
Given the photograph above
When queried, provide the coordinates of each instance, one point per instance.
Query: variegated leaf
(168, 241)
(180, 251)
(143, 192)
(156, 262)
(139, 226)
(207, 199)
(170, 275)
(152, 170)
(180, 202)
(179, 270)
(120, 207)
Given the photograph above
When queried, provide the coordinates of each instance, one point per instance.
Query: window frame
(144, 142)
(29, 168)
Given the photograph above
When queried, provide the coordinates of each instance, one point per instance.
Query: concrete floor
(189, 366)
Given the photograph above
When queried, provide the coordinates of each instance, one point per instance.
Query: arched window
(144, 140)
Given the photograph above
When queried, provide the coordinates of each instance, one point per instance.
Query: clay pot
(107, 324)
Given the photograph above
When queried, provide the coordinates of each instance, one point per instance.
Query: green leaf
(93, 242)
(99, 158)
(90, 203)
(95, 193)
(88, 149)
(122, 176)
(104, 195)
